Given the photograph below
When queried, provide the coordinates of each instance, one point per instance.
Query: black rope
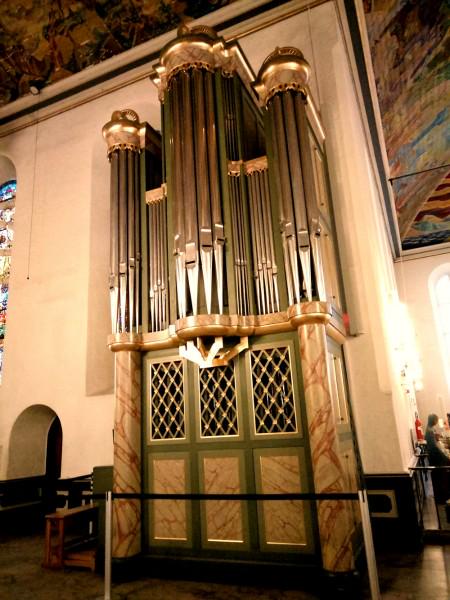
(304, 496)
(391, 179)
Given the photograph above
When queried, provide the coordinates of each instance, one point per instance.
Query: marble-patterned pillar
(335, 526)
(126, 539)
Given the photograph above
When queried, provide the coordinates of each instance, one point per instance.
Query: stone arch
(35, 433)
(7, 169)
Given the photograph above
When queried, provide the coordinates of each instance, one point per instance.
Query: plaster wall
(414, 277)
(58, 311)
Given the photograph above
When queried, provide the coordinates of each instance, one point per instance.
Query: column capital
(202, 48)
(123, 131)
(284, 69)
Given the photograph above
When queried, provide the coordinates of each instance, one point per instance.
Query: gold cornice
(123, 131)
(200, 326)
(201, 48)
(306, 313)
(156, 195)
(284, 69)
(234, 167)
(256, 165)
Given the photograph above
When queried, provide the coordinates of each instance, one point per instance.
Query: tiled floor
(402, 577)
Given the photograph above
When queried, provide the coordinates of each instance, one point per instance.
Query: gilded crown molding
(199, 47)
(156, 195)
(193, 327)
(256, 165)
(123, 131)
(284, 69)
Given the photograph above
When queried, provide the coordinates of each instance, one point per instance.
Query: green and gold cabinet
(231, 429)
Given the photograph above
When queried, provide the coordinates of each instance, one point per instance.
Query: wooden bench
(70, 537)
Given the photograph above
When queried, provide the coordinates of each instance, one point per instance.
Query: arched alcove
(7, 169)
(35, 444)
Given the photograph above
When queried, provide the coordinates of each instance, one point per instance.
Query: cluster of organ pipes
(298, 205)
(218, 221)
(264, 266)
(125, 232)
(198, 222)
(239, 220)
(157, 264)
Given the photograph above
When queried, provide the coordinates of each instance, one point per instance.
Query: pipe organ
(225, 282)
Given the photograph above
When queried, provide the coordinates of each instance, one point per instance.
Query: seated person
(437, 457)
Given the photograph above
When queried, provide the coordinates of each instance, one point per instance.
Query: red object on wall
(419, 430)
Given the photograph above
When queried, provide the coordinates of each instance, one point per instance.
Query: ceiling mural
(432, 222)
(43, 41)
(410, 46)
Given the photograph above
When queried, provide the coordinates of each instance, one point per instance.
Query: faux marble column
(127, 455)
(335, 526)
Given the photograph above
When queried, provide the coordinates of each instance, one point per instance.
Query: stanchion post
(368, 545)
(108, 533)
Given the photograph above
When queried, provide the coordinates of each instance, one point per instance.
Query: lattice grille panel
(273, 397)
(167, 410)
(218, 405)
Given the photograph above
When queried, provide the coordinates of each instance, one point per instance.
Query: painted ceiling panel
(43, 41)
(410, 46)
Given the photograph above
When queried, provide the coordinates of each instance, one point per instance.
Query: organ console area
(226, 315)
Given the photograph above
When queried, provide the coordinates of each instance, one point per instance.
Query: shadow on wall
(35, 445)
(99, 359)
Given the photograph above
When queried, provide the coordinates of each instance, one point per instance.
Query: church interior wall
(416, 275)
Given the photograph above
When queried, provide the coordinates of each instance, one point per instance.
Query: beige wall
(414, 276)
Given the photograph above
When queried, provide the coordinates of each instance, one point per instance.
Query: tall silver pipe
(137, 220)
(114, 243)
(131, 239)
(123, 215)
(214, 186)
(189, 193)
(178, 208)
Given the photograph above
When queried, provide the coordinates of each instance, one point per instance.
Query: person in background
(437, 455)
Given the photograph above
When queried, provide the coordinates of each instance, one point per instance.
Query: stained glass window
(7, 211)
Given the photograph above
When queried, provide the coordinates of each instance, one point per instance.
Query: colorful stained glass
(6, 237)
(7, 211)
(7, 214)
(5, 267)
(8, 191)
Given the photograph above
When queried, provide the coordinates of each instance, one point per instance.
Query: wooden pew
(70, 537)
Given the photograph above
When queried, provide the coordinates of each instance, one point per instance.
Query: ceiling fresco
(43, 41)
(410, 46)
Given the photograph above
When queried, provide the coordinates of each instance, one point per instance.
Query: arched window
(7, 210)
(442, 308)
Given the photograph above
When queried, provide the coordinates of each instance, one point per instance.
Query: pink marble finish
(284, 521)
(223, 517)
(169, 516)
(127, 455)
(335, 524)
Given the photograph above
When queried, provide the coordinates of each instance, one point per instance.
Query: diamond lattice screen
(273, 398)
(218, 405)
(167, 412)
